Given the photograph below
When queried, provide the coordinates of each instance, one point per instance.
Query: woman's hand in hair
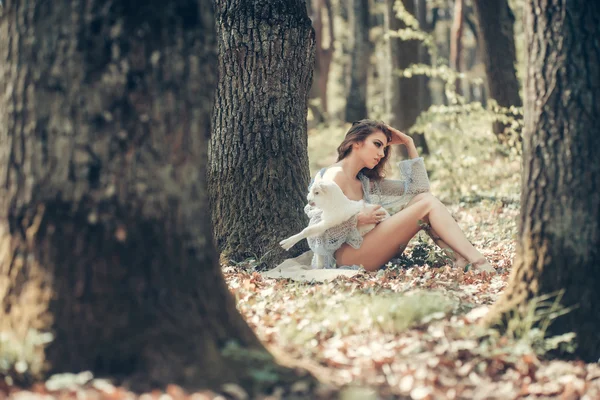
(400, 137)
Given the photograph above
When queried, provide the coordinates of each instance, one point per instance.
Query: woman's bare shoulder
(336, 173)
(333, 173)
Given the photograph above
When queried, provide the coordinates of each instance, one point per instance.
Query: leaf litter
(403, 332)
(413, 332)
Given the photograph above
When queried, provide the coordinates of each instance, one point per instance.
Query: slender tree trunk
(360, 55)
(471, 55)
(497, 44)
(404, 92)
(327, 56)
(470, 63)
(559, 246)
(444, 49)
(258, 172)
(105, 232)
(425, 100)
(456, 41)
(344, 9)
(323, 55)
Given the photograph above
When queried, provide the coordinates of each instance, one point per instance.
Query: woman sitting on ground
(362, 157)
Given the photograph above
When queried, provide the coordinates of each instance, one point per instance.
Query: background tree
(425, 99)
(105, 232)
(456, 47)
(559, 232)
(360, 59)
(404, 92)
(473, 64)
(258, 162)
(497, 45)
(324, 48)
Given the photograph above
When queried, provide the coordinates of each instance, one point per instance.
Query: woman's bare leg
(458, 259)
(446, 228)
(384, 241)
(380, 245)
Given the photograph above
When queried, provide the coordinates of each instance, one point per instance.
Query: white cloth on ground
(300, 269)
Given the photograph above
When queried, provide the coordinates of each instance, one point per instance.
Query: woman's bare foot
(460, 263)
(483, 265)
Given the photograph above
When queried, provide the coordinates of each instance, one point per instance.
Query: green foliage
(362, 312)
(422, 253)
(23, 359)
(459, 111)
(466, 156)
(526, 331)
(530, 326)
(254, 263)
(257, 362)
(466, 159)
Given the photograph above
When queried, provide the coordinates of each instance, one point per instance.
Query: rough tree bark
(495, 22)
(404, 93)
(559, 246)
(258, 161)
(360, 56)
(323, 56)
(105, 235)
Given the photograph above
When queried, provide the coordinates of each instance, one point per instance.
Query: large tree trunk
(105, 228)
(559, 247)
(404, 92)
(360, 56)
(258, 172)
(497, 45)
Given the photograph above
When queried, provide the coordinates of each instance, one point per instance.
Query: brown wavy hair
(358, 133)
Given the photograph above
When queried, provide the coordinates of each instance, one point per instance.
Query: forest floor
(408, 331)
(415, 332)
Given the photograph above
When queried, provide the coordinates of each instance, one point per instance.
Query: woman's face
(371, 150)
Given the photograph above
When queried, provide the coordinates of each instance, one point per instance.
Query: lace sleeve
(414, 179)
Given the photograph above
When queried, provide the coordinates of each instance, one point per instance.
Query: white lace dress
(393, 195)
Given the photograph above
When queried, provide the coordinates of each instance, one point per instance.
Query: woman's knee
(427, 199)
(426, 203)
(420, 197)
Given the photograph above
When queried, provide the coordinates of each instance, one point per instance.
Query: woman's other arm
(403, 139)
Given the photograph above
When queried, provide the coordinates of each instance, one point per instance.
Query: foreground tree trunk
(404, 92)
(497, 46)
(105, 232)
(258, 172)
(360, 57)
(559, 247)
